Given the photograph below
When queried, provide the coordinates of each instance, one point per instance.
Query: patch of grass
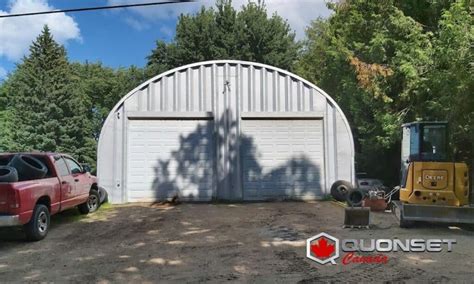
(327, 197)
(104, 209)
(106, 206)
(73, 215)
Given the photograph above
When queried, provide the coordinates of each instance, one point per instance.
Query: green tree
(450, 82)
(48, 113)
(224, 33)
(425, 12)
(5, 120)
(102, 87)
(371, 58)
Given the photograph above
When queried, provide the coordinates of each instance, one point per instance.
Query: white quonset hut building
(224, 130)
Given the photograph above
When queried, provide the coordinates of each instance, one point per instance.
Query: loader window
(414, 143)
(433, 144)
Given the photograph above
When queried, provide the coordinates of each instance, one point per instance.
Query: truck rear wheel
(38, 227)
(92, 203)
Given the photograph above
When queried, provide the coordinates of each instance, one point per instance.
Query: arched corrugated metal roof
(194, 65)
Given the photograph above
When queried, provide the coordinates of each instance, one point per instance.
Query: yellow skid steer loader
(432, 188)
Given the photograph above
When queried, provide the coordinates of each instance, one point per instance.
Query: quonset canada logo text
(324, 248)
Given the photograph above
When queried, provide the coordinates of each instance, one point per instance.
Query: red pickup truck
(30, 202)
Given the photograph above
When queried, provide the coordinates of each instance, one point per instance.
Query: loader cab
(423, 142)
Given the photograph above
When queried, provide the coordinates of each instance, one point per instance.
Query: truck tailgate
(6, 197)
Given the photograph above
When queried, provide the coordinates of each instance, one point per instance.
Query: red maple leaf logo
(322, 249)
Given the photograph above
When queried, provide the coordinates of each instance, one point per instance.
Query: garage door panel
(195, 174)
(166, 157)
(138, 196)
(282, 158)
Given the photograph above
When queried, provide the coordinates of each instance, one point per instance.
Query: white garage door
(170, 157)
(282, 159)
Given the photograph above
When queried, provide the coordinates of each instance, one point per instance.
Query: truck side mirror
(86, 168)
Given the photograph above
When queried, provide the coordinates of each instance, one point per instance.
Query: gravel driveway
(253, 242)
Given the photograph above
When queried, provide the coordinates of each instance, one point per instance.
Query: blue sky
(121, 37)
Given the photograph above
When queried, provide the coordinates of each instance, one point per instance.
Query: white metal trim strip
(284, 115)
(169, 115)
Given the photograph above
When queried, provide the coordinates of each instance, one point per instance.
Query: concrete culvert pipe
(8, 174)
(28, 167)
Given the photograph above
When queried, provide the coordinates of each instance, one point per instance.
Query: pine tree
(5, 120)
(49, 113)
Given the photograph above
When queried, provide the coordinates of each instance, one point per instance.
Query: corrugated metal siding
(259, 90)
(181, 91)
(344, 159)
(227, 90)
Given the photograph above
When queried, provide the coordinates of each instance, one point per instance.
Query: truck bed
(16, 197)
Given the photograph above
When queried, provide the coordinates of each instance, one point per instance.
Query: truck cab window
(73, 166)
(44, 159)
(61, 167)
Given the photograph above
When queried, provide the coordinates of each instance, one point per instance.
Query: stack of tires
(23, 167)
(8, 174)
(343, 190)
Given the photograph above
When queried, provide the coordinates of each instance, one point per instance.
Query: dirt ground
(254, 242)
